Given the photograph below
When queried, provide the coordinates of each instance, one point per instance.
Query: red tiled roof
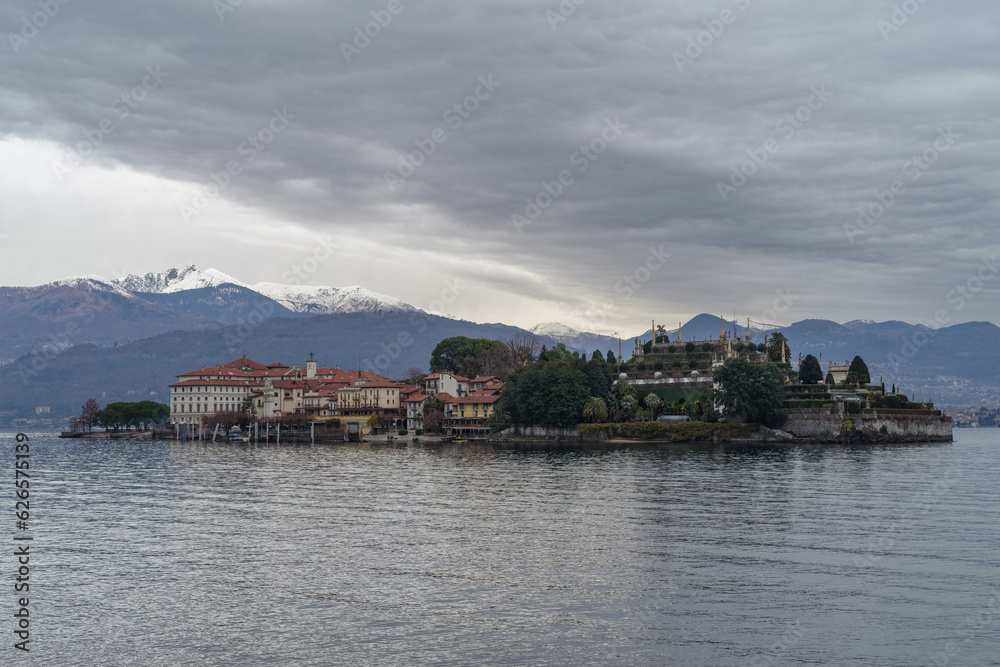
(243, 362)
(210, 383)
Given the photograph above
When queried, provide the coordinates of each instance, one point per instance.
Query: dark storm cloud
(744, 135)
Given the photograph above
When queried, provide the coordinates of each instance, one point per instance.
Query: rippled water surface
(159, 553)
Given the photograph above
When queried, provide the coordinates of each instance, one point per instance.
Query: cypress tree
(810, 371)
(857, 374)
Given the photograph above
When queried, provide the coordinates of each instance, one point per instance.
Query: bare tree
(415, 375)
(88, 414)
(523, 348)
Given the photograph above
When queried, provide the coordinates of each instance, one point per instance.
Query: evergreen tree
(810, 372)
(778, 342)
(750, 389)
(858, 374)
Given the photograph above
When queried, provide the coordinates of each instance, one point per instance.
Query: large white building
(274, 389)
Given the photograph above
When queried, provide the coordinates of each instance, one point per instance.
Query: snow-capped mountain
(560, 332)
(581, 341)
(89, 283)
(305, 299)
(320, 300)
(176, 280)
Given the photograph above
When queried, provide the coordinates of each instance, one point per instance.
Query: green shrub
(671, 348)
(658, 366)
(607, 430)
(402, 431)
(706, 347)
(689, 346)
(419, 431)
(641, 366)
(687, 432)
(676, 363)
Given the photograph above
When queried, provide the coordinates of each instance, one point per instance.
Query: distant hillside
(958, 365)
(51, 317)
(222, 304)
(387, 343)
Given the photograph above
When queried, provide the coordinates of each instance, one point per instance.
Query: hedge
(806, 403)
(807, 388)
(895, 411)
(804, 396)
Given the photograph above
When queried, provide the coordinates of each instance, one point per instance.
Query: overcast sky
(715, 153)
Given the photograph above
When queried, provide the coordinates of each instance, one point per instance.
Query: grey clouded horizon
(740, 136)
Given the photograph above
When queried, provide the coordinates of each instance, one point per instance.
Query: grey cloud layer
(702, 88)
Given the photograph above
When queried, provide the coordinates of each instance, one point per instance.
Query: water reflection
(191, 553)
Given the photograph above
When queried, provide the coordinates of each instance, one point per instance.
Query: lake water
(159, 553)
